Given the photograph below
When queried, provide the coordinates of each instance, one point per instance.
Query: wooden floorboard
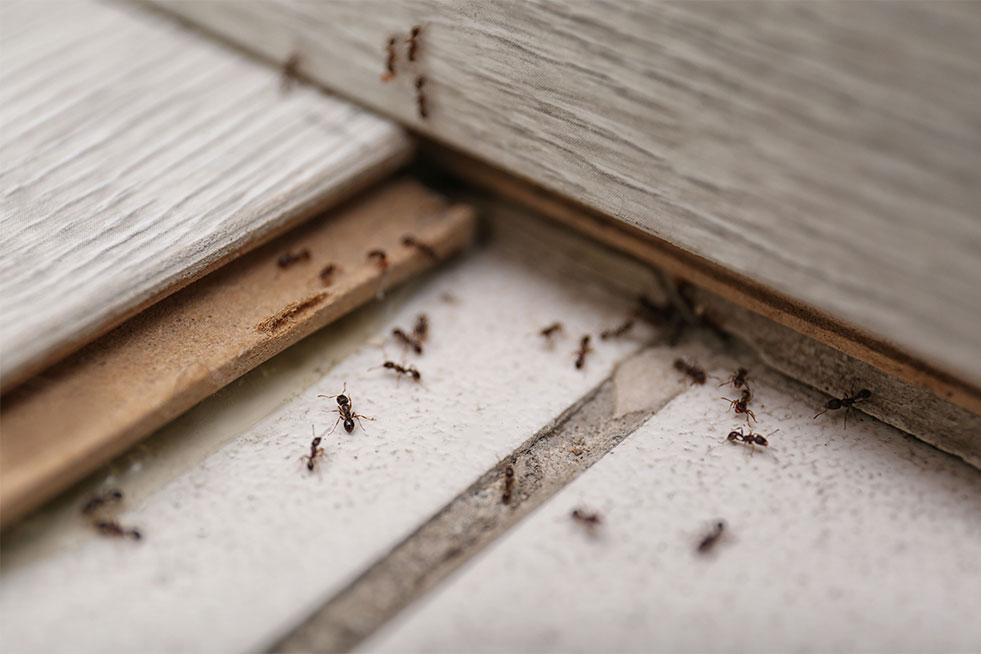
(830, 151)
(138, 155)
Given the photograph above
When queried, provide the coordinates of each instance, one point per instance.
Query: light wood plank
(137, 156)
(830, 151)
(150, 369)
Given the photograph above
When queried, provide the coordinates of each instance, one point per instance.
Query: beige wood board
(75, 416)
(828, 150)
(136, 155)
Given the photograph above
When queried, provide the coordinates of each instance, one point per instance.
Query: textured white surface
(245, 544)
(857, 540)
(136, 154)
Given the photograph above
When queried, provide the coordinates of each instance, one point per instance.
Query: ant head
(733, 435)
(116, 494)
(509, 472)
(742, 372)
(415, 374)
(865, 394)
(389, 364)
(315, 442)
(679, 364)
(720, 525)
(343, 400)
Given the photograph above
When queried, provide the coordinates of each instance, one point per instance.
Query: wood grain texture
(828, 150)
(159, 363)
(137, 155)
(723, 283)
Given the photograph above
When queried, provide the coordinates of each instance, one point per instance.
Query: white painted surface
(240, 547)
(857, 540)
(828, 150)
(137, 154)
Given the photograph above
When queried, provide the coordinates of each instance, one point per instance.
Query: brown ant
(288, 259)
(412, 242)
(402, 370)
(390, 60)
(711, 539)
(738, 380)
(421, 329)
(846, 402)
(315, 450)
(508, 484)
(617, 332)
(421, 96)
(111, 496)
(750, 439)
(345, 410)
(327, 273)
(407, 340)
(740, 405)
(380, 258)
(113, 528)
(413, 41)
(583, 350)
(291, 72)
(588, 520)
(697, 375)
(551, 330)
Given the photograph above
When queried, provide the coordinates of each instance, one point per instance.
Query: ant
(407, 340)
(750, 439)
(345, 410)
(315, 450)
(740, 405)
(712, 538)
(846, 402)
(380, 258)
(697, 375)
(390, 60)
(113, 528)
(421, 96)
(111, 496)
(413, 242)
(288, 259)
(291, 72)
(413, 41)
(551, 330)
(583, 350)
(738, 380)
(508, 484)
(403, 370)
(421, 329)
(617, 332)
(588, 520)
(327, 273)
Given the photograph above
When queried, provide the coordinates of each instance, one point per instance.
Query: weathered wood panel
(830, 151)
(115, 391)
(137, 155)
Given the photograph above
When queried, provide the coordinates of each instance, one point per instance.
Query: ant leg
(335, 423)
(750, 414)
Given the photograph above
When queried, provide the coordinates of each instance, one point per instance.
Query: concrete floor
(837, 539)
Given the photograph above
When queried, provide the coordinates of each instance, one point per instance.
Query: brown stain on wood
(287, 315)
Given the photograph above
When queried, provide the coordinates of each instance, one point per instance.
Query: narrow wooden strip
(77, 415)
(728, 284)
(137, 156)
